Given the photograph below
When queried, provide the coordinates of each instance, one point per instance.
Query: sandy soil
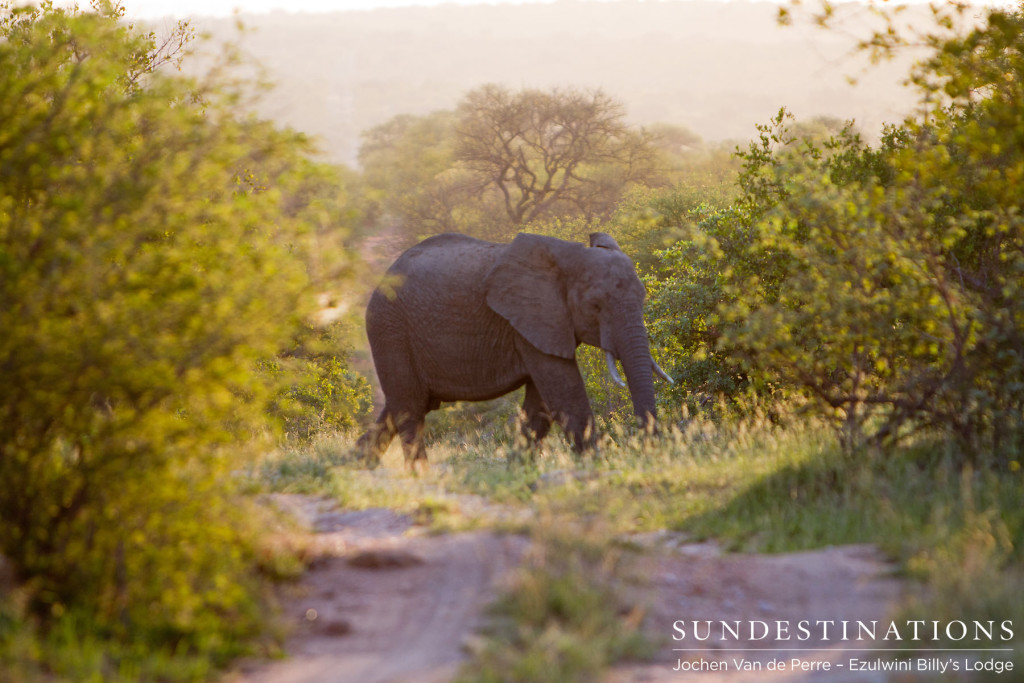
(690, 582)
(387, 602)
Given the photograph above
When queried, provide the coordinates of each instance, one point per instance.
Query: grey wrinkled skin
(460, 319)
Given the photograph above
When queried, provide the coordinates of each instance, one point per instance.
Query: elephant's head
(559, 294)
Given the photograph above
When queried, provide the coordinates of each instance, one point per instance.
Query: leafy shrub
(318, 389)
(151, 249)
(885, 284)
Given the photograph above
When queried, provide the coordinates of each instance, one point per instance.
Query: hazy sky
(158, 8)
(181, 8)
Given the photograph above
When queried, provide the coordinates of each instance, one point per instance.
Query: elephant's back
(446, 269)
(441, 277)
(450, 254)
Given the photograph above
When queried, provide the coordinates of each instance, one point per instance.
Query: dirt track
(387, 602)
(693, 581)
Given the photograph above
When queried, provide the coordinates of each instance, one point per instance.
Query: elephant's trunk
(635, 355)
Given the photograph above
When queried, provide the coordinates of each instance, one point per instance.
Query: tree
(503, 160)
(152, 250)
(408, 169)
(885, 284)
(558, 153)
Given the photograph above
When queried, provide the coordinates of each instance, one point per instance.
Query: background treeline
(170, 267)
(713, 67)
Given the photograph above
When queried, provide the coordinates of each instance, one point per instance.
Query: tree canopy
(505, 159)
(562, 152)
(154, 249)
(882, 283)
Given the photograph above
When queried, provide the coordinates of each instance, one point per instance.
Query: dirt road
(388, 602)
(385, 602)
(697, 582)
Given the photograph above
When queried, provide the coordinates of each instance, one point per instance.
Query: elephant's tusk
(611, 369)
(661, 373)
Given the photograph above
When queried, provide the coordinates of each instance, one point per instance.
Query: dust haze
(716, 68)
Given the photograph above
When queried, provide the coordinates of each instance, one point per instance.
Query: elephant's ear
(526, 288)
(604, 241)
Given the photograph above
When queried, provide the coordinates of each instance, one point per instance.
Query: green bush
(318, 391)
(151, 246)
(883, 283)
(684, 319)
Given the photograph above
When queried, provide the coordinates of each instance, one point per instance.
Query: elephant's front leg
(560, 386)
(537, 418)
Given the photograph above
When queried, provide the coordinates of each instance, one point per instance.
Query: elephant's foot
(583, 438)
(417, 466)
(415, 457)
(372, 445)
(367, 450)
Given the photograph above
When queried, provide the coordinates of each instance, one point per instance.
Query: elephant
(460, 319)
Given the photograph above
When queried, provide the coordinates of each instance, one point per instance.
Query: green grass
(956, 534)
(563, 619)
(75, 649)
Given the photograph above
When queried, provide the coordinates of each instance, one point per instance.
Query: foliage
(304, 466)
(835, 302)
(153, 248)
(649, 220)
(685, 326)
(685, 285)
(319, 392)
(505, 159)
(411, 185)
(883, 283)
(565, 152)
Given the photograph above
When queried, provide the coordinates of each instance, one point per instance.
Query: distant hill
(715, 67)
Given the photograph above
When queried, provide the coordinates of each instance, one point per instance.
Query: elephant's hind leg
(372, 445)
(410, 424)
(412, 443)
(407, 399)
